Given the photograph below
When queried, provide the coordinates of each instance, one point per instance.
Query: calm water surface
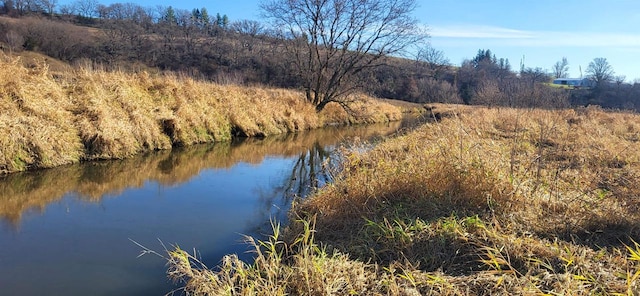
(68, 231)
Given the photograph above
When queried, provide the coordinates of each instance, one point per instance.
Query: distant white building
(575, 82)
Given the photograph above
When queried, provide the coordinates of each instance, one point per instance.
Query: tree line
(328, 50)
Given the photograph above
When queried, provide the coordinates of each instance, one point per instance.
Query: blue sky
(541, 31)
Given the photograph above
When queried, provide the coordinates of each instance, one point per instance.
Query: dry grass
(483, 202)
(301, 267)
(52, 118)
(362, 110)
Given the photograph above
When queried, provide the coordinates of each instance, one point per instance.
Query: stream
(71, 230)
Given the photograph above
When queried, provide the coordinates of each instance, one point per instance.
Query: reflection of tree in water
(92, 181)
(313, 168)
(309, 172)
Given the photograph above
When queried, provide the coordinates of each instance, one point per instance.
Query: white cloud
(462, 35)
(478, 31)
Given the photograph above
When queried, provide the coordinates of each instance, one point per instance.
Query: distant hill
(128, 37)
(240, 53)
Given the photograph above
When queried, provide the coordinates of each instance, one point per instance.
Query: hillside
(248, 53)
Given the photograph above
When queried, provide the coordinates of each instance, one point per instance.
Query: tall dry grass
(364, 110)
(484, 202)
(53, 118)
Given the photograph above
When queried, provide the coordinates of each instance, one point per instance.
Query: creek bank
(48, 118)
(484, 201)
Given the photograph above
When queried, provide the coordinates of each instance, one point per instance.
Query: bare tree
(33, 6)
(155, 12)
(435, 59)
(600, 71)
(534, 75)
(67, 9)
(56, 39)
(561, 68)
(6, 7)
(22, 6)
(14, 40)
(49, 6)
(331, 41)
(247, 27)
(86, 8)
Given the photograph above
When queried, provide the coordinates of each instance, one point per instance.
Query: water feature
(69, 230)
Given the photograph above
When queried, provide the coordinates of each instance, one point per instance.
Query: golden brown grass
(362, 110)
(482, 202)
(53, 118)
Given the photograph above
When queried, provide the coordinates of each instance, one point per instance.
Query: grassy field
(66, 115)
(482, 202)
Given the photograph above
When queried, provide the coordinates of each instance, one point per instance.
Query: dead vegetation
(482, 202)
(50, 118)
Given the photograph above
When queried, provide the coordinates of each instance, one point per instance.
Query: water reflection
(69, 228)
(33, 191)
(307, 173)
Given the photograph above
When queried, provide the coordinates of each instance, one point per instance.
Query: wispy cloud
(492, 35)
(478, 31)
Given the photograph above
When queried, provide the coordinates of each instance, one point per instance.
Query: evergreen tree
(195, 14)
(170, 16)
(218, 20)
(225, 21)
(484, 57)
(204, 15)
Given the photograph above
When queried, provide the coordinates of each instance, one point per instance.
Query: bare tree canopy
(86, 8)
(247, 27)
(619, 79)
(435, 59)
(561, 68)
(600, 71)
(331, 41)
